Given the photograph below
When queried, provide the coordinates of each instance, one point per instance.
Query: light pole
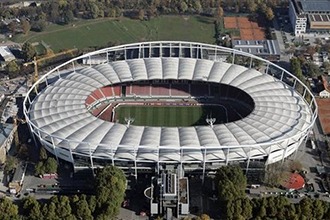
(210, 121)
(129, 121)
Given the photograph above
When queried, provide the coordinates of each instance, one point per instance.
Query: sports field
(99, 32)
(169, 116)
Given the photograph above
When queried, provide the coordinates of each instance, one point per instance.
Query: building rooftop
(315, 5)
(294, 181)
(324, 114)
(5, 130)
(319, 17)
(6, 54)
(297, 8)
(257, 47)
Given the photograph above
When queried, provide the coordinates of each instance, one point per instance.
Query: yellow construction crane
(35, 75)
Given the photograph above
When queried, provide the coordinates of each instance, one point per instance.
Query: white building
(2, 97)
(310, 16)
(324, 94)
(6, 55)
(298, 18)
(24, 4)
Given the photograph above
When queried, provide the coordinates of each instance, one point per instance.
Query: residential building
(324, 94)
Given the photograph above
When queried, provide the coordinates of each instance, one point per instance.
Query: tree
(313, 70)
(318, 209)
(262, 212)
(229, 58)
(81, 209)
(227, 190)
(23, 152)
(296, 68)
(251, 6)
(269, 13)
(141, 14)
(295, 165)
(183, 7)
(8, 210)
(39, 25)
(233, 208)
(67, 16)
(246, 208)
(197, 6)
(12, 26)
(263, 8)
(31, 208)
(25, 26)
(39, 168)
(10, 164)
(46, 164)
(306, 207)
(12, 69)
(311, 50)
(274, 176)
(54, 11)
(110, 190)
(326, 66)
(43, 154)
(50, 165)
(28, 51)
(231, 182)
(49, 211)
(257, 63)
(94, 10)
(205, 217)
(219, 13)
(271, 208)
(63, 208)
(92, 203)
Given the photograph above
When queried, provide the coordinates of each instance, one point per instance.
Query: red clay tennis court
(249, 30)
(324, 114)
(230, 22)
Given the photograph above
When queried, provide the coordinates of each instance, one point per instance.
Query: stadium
(152, 105)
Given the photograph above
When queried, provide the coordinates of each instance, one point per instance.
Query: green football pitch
(168, 116)
(83, 34)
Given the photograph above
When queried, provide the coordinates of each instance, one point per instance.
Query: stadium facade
(59, 107)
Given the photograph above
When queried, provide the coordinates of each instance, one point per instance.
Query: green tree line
(110, 185)
(234, 204)
(65, 11)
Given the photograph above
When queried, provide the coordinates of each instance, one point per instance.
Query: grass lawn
(168, 116)
(40, 49)
(100, 32)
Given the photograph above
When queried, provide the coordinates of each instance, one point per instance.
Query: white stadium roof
(279, 122)
(60, 109)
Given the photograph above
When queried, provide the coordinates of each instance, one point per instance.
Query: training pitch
(100, 32)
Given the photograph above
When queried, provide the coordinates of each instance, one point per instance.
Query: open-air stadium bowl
(283, 114)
